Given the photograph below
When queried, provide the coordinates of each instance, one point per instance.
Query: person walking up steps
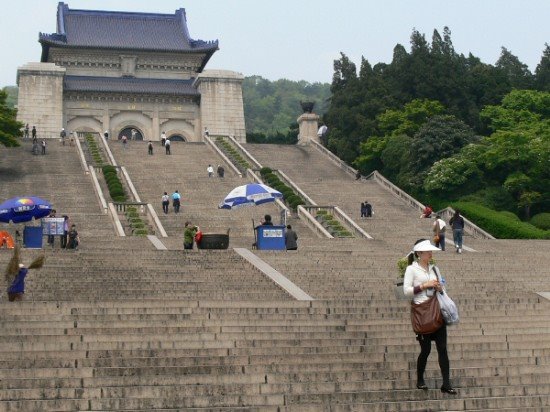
(439, 232)
(165, 203)
(176, 201)
(167, 146)
(457, 223)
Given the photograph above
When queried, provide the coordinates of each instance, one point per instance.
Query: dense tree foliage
(10, 128)
(445, 126)
(513, 161)
(272, 107)
(434, 71)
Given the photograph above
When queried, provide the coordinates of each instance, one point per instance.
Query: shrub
(132, 214)
(499, 225)
(265, 170)
(541, 221)
(510, 215)
(140, 232)
(138, 225)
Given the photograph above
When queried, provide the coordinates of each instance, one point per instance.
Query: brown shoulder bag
(426, 316)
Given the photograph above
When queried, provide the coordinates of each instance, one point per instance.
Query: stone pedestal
(221, 108)
(40, 100)
(308, 123)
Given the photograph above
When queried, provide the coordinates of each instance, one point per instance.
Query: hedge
(498, 224)
(542, 221)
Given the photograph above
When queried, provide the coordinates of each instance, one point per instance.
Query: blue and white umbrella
(250, 195)
(24, 209)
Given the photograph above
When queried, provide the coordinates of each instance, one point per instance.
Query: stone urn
(307, 107)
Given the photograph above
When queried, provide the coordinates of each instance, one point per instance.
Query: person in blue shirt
(17, 287)
(176, 201)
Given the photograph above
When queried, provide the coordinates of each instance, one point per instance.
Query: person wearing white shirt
(439, 229)
(420, 283)
(210, 171)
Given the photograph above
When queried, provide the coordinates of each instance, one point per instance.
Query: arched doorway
(177, 138)
(128, 133)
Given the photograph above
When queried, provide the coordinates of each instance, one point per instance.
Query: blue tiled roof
(130, 85)
(124, 30)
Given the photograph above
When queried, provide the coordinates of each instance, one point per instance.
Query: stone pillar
(308, 123)
(40, 100)
(221, 108)
(156, 126)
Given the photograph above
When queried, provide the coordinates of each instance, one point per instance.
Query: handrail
(116, 220)
(130, 184)
(156, 220)
(223, 156)
(98, 191)
(312, 223)
(296, 188)
(108, 150)
(246, 152)
(81, 154)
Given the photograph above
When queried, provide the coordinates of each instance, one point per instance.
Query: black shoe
(448, 390)
(422, 386)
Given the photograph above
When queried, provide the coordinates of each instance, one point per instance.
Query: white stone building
(117, 71)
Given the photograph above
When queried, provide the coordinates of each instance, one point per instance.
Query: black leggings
(440, 338)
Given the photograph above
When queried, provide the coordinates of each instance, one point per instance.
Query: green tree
(440, 137)
(10, 128)
(542, 72)
(271, 106)
(516, 72)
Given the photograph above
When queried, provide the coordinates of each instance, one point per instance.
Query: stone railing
(312, 223)
(469, 227)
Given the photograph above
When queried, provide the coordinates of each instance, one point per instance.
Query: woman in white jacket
(420, 283)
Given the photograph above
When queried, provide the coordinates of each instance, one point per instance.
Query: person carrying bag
(421, 283)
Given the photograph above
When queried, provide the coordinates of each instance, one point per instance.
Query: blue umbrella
(24, 209)
(250, 195)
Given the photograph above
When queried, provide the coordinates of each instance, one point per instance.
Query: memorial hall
(112, 71)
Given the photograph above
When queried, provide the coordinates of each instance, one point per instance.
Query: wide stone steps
(198, 205)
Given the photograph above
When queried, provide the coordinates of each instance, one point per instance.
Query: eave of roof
(131, 85)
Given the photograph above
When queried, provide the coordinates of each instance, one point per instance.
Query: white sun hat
(424, 246)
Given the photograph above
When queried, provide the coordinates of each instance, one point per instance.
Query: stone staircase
(119, 325)
(185, 170)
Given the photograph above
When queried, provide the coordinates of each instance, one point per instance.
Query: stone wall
(222, 110)
(41, 97)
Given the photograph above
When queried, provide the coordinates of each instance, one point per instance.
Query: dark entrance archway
(128, 133)
(177, 138)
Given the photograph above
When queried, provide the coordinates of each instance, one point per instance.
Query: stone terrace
(121, 326)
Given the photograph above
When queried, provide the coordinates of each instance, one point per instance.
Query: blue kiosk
(270, 237)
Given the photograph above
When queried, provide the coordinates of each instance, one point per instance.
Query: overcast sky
(299, 39)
